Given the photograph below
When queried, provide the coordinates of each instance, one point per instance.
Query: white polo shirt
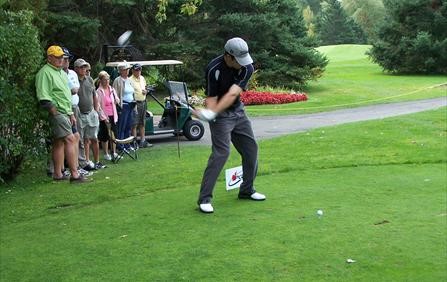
(73, 82)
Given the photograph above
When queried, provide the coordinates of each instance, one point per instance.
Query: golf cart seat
(178, 92)
(174, 104)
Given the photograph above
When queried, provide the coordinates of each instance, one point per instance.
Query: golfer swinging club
(226, 77)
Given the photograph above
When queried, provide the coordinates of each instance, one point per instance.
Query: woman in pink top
(107, 99)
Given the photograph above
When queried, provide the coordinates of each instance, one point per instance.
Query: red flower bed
(261, 98)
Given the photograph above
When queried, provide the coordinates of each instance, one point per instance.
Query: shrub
(20, 57)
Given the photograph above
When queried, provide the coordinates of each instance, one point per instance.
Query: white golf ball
(319, 212)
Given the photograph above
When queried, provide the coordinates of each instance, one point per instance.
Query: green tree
(84, 26)
(275, 31)
(309, 19)
(65, 22)
(315, 5)
(335, 27)
(20, 58)
(368, 14)
(413, 38)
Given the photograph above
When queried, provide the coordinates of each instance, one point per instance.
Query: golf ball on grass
(319, 212)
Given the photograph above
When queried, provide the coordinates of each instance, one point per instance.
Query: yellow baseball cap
(55, 50)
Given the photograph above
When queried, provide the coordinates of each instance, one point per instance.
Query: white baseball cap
(123, 65)
(79, 63)
(238, 48)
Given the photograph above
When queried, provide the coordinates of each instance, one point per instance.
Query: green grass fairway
(352, 80)
(381, 185)
(343, 53)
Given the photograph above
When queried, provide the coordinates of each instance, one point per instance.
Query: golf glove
(206, 115)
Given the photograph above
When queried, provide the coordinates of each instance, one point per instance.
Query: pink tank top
(108, 102)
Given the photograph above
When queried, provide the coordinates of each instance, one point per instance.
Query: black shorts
(103, 134)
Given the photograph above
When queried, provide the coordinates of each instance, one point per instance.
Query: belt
(141, 101)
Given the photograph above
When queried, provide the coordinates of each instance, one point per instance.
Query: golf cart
(176, 115)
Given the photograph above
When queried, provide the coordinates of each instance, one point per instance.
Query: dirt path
(269, 127)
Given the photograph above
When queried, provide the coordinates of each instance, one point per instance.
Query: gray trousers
(234, 126)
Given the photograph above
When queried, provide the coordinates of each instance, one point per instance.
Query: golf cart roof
(148, 63)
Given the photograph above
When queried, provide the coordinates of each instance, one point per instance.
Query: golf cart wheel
(193, 130)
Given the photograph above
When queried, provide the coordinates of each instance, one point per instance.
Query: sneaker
(84, 173)
(117, 157)
(66, 173)
(89, 167)
(107, 157)
(206, 208)
(144, 144)
(99, 165)
(255, 196)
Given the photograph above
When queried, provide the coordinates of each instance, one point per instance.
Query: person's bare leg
(95, 149)
(105, 147)
(113, 149)
(141, 130)
(72, 157)
(58, 157)
(134, 131)
(76, 143)
(87, 150)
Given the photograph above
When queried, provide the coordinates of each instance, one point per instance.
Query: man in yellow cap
(55, 97)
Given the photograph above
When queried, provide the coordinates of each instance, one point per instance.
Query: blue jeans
(125, 121)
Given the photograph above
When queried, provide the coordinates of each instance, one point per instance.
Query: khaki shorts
(140, 118)
(89, 125)
(60, 125)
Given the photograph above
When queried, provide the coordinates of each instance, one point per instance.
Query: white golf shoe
(255, 196)
(206, 208)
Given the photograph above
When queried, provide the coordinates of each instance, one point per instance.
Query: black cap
(136, 67)
(67, 53)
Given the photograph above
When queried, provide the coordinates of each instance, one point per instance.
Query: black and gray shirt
(219, 78)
